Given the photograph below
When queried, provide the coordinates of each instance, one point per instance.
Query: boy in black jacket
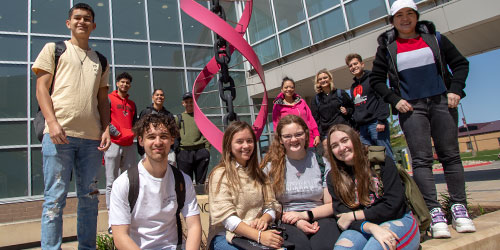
(370, 111)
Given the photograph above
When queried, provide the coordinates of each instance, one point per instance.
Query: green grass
(486, 155)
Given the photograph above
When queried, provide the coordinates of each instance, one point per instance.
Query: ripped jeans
(406, 228)
(82, 156)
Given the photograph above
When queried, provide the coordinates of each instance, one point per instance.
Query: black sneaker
(110, 231)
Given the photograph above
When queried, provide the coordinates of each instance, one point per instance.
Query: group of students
(321, 202)
(340, 206)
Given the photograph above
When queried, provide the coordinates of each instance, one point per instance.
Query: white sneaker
(439, 226)
(461, 221)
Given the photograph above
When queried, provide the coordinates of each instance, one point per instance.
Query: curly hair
(157, 120)
(349, 58)
(317, 86)
(277, 152)
(342, 181)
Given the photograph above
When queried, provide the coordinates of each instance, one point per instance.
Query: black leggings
(325, 238)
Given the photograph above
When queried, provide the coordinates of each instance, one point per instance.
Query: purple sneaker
(439, 227)
(461, 221)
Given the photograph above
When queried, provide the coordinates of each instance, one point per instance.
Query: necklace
(81, 61)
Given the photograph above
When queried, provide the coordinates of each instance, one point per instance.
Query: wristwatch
(310, 215)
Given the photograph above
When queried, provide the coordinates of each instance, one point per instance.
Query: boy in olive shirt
(193, 154)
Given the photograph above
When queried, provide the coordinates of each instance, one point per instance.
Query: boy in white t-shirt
(152, 222)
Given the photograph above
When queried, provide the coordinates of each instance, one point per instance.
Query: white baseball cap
(400, 4)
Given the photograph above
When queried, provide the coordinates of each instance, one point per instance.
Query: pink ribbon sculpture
(235, 38)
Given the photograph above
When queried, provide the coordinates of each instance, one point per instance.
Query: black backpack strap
(133, 185)
(339, 97)
(103, 61)
(180, 192)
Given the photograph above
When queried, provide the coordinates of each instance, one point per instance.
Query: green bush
(105, 242)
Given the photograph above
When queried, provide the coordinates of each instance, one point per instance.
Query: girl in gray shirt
(299, 185)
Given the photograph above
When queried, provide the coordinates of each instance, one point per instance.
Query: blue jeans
(369, 136)
(431, 117)
(59, 160)
(219, 242)
(406, 228)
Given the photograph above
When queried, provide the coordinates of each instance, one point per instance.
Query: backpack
(338, 96)
(180, 193)
(39, 121)
(414, 198)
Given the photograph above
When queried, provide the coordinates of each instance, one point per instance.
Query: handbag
(249, 244)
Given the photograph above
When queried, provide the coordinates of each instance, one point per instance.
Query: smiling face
(123, 85)
(325, 82)
(288, 89)
(188, 105)
(405, 21)
(156, 142)
(293, 138)
(81, 23)
(341, 146)
(242, 146)
(356, 67)
(158, 97)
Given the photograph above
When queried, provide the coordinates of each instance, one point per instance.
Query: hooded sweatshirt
(368, 105)
(298, 108)
(123, 116)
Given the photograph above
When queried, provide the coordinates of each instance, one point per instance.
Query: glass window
(236, 61)
(267, 51)
(198, 57)
(34, 101)
(101, 10)
(36, 171)
(327, 25)
(37, 43)
(49, 17)
(13, 133)
(103, 46)
(140, 90)
(209, 103)
(288, 13)
(17, 14)
(13, 48)
(261, 24)
(13, 173)
(13, 96)
(129, 19)
(195, 32)
(166, 55)
(362, 11)
(241, 92)
(164, 20)
(131, 53)
(230, 10)
(294, 39)
(316, 6)
(172, 83)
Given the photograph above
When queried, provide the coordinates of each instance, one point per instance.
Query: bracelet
(354, 213)
(362, 224)
(258, 238)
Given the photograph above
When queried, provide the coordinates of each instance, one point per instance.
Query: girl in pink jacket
(290, 103)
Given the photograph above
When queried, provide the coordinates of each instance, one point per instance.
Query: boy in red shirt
(121, 154)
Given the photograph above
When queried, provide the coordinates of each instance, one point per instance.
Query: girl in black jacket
(371, 218)
(426, 94)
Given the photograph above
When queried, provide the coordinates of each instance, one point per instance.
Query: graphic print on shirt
(358, 95)
(126, 109)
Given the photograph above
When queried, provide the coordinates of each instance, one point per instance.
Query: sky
(482, 103)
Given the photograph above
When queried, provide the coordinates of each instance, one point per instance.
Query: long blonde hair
(317, 86)
(227, 161)
(276, 154)
(342, 181)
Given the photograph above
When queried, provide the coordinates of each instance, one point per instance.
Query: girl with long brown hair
(370, 219)
(299, 184)
(241, 201)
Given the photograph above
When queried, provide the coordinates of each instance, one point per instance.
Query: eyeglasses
(290, 136)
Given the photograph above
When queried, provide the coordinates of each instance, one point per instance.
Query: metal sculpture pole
(233, 39)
